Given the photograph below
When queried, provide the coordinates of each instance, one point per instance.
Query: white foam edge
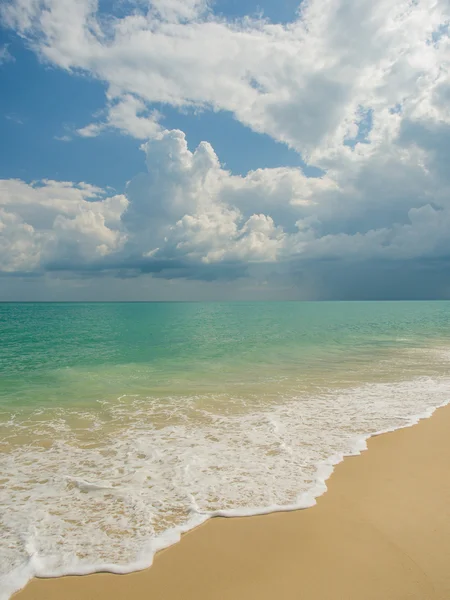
(34, 567)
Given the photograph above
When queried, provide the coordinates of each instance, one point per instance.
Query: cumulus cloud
(188, 207)
(304, 83)
(359, 89)
(130, 116)
(189, 217)
(178, 10)
(186, 212)
(49, 220)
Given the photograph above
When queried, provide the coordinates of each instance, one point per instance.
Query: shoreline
(382, 530)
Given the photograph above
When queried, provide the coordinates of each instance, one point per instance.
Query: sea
(123, 425)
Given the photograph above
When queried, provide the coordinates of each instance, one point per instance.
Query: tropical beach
(381, 531)
(224, 299)
(125, 426)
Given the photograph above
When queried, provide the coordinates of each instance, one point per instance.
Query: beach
(381, 531)
(224, 300)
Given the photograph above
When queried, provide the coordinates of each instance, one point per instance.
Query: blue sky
(283, 11)
(41, 105)
(200, 149)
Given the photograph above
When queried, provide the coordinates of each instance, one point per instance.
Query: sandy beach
(382, 531)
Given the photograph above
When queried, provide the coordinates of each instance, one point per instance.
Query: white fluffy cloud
(188, 213)
(129, 115)
(360, 89)
(304, 83)
(178, 10)
(49, 221)
(188, 207)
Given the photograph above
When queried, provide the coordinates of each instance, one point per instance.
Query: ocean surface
(123, 425)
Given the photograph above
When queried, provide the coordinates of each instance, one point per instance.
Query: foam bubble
(115, 486)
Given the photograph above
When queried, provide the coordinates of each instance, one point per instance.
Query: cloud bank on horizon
(360, 90)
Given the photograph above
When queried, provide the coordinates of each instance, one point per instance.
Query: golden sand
(381, 532)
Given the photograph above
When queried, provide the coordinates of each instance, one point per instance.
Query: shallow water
(122, 425)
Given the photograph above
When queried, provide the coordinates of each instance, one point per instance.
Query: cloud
(130, 116)
(5, 55)
(189, 217)
(359, 89)
(304, 83)
(14, 119)
(48, 219)
(187, 207)
(179, 10)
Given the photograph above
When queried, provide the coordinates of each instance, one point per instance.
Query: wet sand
(381, 532)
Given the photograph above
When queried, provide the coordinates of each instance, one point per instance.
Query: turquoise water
(168, 346)
(123, 424)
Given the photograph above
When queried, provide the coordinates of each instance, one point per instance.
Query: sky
(227, 150)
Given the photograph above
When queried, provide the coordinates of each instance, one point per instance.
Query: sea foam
(107, 494)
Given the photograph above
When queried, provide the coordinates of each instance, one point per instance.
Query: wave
(109, 498)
